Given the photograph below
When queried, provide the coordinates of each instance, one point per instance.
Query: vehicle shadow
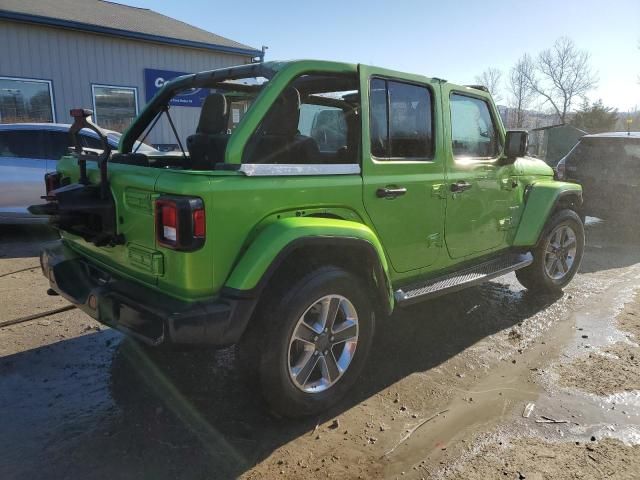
(21, 241)
(191, 414)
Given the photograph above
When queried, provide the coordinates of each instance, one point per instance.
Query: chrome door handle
(390, 192)
(460, 186)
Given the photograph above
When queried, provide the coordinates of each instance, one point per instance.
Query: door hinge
(505, 223)
(434, 240)
(439, 191)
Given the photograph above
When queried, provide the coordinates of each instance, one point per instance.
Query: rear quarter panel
(237, 208)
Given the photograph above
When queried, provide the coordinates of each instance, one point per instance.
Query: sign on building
(155, 79)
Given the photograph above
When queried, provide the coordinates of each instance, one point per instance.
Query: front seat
(280, 141)
(207, 146)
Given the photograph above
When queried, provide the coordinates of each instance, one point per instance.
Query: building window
(25, 100)
(114, 107)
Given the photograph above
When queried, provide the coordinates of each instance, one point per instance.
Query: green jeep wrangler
(344, 192)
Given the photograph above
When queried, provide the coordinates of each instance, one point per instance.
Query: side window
(379, 118)
(473, 132)
(56, 145)
(401, 120)
(325, 124)
(313, 121)
(22, 144)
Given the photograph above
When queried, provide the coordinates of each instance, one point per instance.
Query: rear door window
(401, 120)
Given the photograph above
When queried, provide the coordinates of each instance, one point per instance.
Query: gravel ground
(442, 396)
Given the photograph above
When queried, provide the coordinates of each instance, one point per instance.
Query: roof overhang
(99, 29)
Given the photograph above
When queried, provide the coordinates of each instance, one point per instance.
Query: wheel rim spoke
(329, 366)
(329, 312)
(556, 266)
(562, 265)
(347, 330)
(550, 263)
(305, 333)
(563, 235)
(309, 363)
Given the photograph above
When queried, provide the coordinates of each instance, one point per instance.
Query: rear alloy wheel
(323, 344)
(314, 343)
(557, 256)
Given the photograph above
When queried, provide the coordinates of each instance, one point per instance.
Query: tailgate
(133, 189)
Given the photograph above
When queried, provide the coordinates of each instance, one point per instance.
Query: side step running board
(474, 275)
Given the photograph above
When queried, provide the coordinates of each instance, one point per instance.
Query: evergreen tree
(595, 118)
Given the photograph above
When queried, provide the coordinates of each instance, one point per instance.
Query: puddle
(496, 402)
(506, 389)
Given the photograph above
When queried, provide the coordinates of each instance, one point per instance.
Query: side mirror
(515, 144)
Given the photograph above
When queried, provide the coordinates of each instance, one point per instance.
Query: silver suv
(27, 152)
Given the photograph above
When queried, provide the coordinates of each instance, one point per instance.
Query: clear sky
(455, 39)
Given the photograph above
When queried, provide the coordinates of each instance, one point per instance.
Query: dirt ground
(443, 396)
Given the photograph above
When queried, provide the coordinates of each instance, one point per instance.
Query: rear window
(609, 150)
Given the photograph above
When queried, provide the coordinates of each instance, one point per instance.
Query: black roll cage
(208, 79)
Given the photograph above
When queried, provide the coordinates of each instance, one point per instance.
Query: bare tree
(519, 88)
(561, 75)
(490, 78)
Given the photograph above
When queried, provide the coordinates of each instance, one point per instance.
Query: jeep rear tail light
(169, 217)
(199, 228)
(52, 181)
(180, 222)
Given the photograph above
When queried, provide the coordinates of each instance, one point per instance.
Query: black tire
(535, 277)
(277, 325)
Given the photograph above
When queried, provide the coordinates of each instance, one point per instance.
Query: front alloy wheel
(560, 252)
(323, 343)
(557, 256)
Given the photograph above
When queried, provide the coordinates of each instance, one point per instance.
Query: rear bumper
(140, 311)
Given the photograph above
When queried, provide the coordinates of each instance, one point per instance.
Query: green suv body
(344, 192)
